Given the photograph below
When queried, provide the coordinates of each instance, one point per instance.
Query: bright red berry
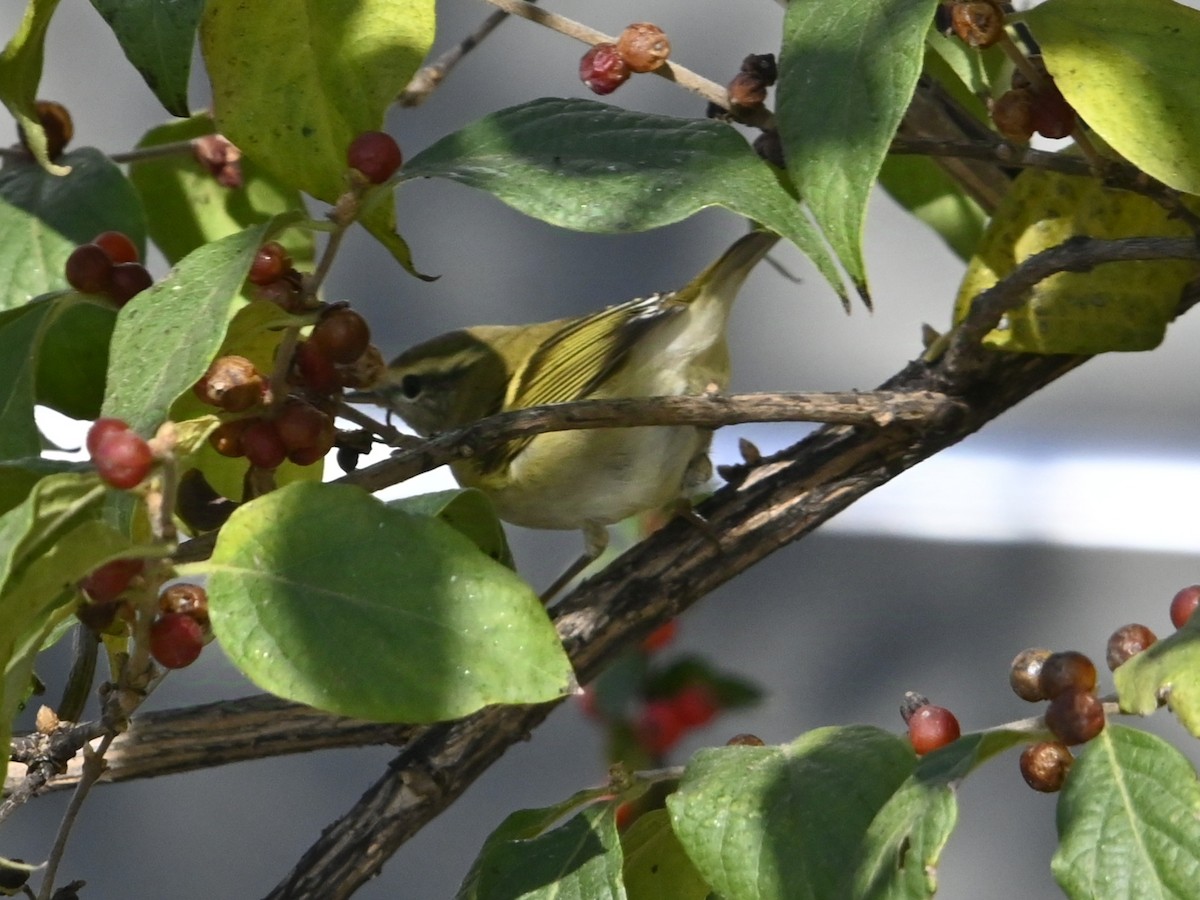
(122, 458)
(1068, 670)
(100, 429)
(176, 640)
(932, 727)
(603, 69)
(695, 705)
(660, 636)
(659, 727)
(376, 154)
(119, 247)
(1184, 604)
(1075, 717)
(89, 269)
(105, 584)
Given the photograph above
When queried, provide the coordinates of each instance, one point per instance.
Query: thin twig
(92, 770)
(175, 148)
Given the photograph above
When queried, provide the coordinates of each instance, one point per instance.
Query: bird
(665, 344)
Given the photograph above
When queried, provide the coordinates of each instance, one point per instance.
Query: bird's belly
(564, 479)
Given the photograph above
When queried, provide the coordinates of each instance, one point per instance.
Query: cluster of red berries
(122, 457)
(273, 278)
(642, 47)
(376, 155)
(1029, 108)
(108, 265)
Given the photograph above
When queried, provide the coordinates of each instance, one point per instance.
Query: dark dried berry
(128, 280)
(603, 69)
(186, 599)
(232, 383)
(1127, 642)
(761, 66)
(89, 269)
(1045, 765)
(1075, 717)
(978, 23)
(1068, 670)
(769, 147)
(643, 46)
(1012, 114)
(1051, 114)
(302, 426)
(1025, 674)
(746, 91)
(226, 438)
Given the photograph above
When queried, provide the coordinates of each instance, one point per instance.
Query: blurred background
(1071, 515)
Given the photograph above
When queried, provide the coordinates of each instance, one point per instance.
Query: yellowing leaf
(1129, 68)
(1116, 306)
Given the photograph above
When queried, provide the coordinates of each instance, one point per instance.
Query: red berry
(695, 705)
(1183, 604)
(659, 727)
(643, 47)
(932, 727)
(660, 636)
(306, 430)
(1127, 642)
(603, 69)
(1075, 717)
(232, 383)
(122, 459)
(89, 269)
(269, 264)
(100, 429)
(186, 599)
(262, 445)
(176, 640)
(128, 280)
(1067, 671)
(1025, 674)
(343, 335)
(1052, 116)
(118, 246)
(315, 370)
(1045, 765)
(376, 154)
(105, 584)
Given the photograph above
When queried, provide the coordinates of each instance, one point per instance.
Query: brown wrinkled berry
(603, 69)
(746, 91)
(1068, 670)
(1127, 642)
(1075, 717)
(1025, 674)
(1012, 114)
(226, 438)
(761, 66)
(232, 383)
(1045, 765)
(643, 47)
(186, 599)
(978, 23)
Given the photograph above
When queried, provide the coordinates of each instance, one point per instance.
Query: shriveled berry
(932, 727)
(1127, 642)
(1052, 116)
(232, 383)
(118, 245)
(659, 727)
(1025, 674)
(100, 429)
(746, 91)
(1075, 717)
(302, 426)
(376, 154)
(978, 23)
(695, 705)
(122, 459)
(175, 640)
(105, 584)
(1184, 604)
(660, 636)
(262, 444)
(56, 122)
(226, 438)
(761, 66)
(347, 458)
(603, 69)
(768, 146)
(745, 740)
(643, 47)
(128, 280)
(1012, 113)
(342, 334)
(1068, 670)
(269, 264)
(315, 370)
(1045, 765)
(89, 269)
(186, 599)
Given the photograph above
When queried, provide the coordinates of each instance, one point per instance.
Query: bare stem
(92, 770)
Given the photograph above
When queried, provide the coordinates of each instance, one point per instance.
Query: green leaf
(470, 512)
(387, 616)
(186, 207)
(590, 167)
(72, 360)
(1167, 671)
(1116, 306)
(656, 865)
(295, 81)
(581, 858)
(1126, 67)
(166, 336)
(970, 76)
(43, 217)
(845, 81)
(157, 39)
(20, 73)
(917, 184)
(1129, 820)
(904, 842)
(766, 822)
(21, 333)
(18, 477)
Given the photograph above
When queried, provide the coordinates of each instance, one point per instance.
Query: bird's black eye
(410, 386)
